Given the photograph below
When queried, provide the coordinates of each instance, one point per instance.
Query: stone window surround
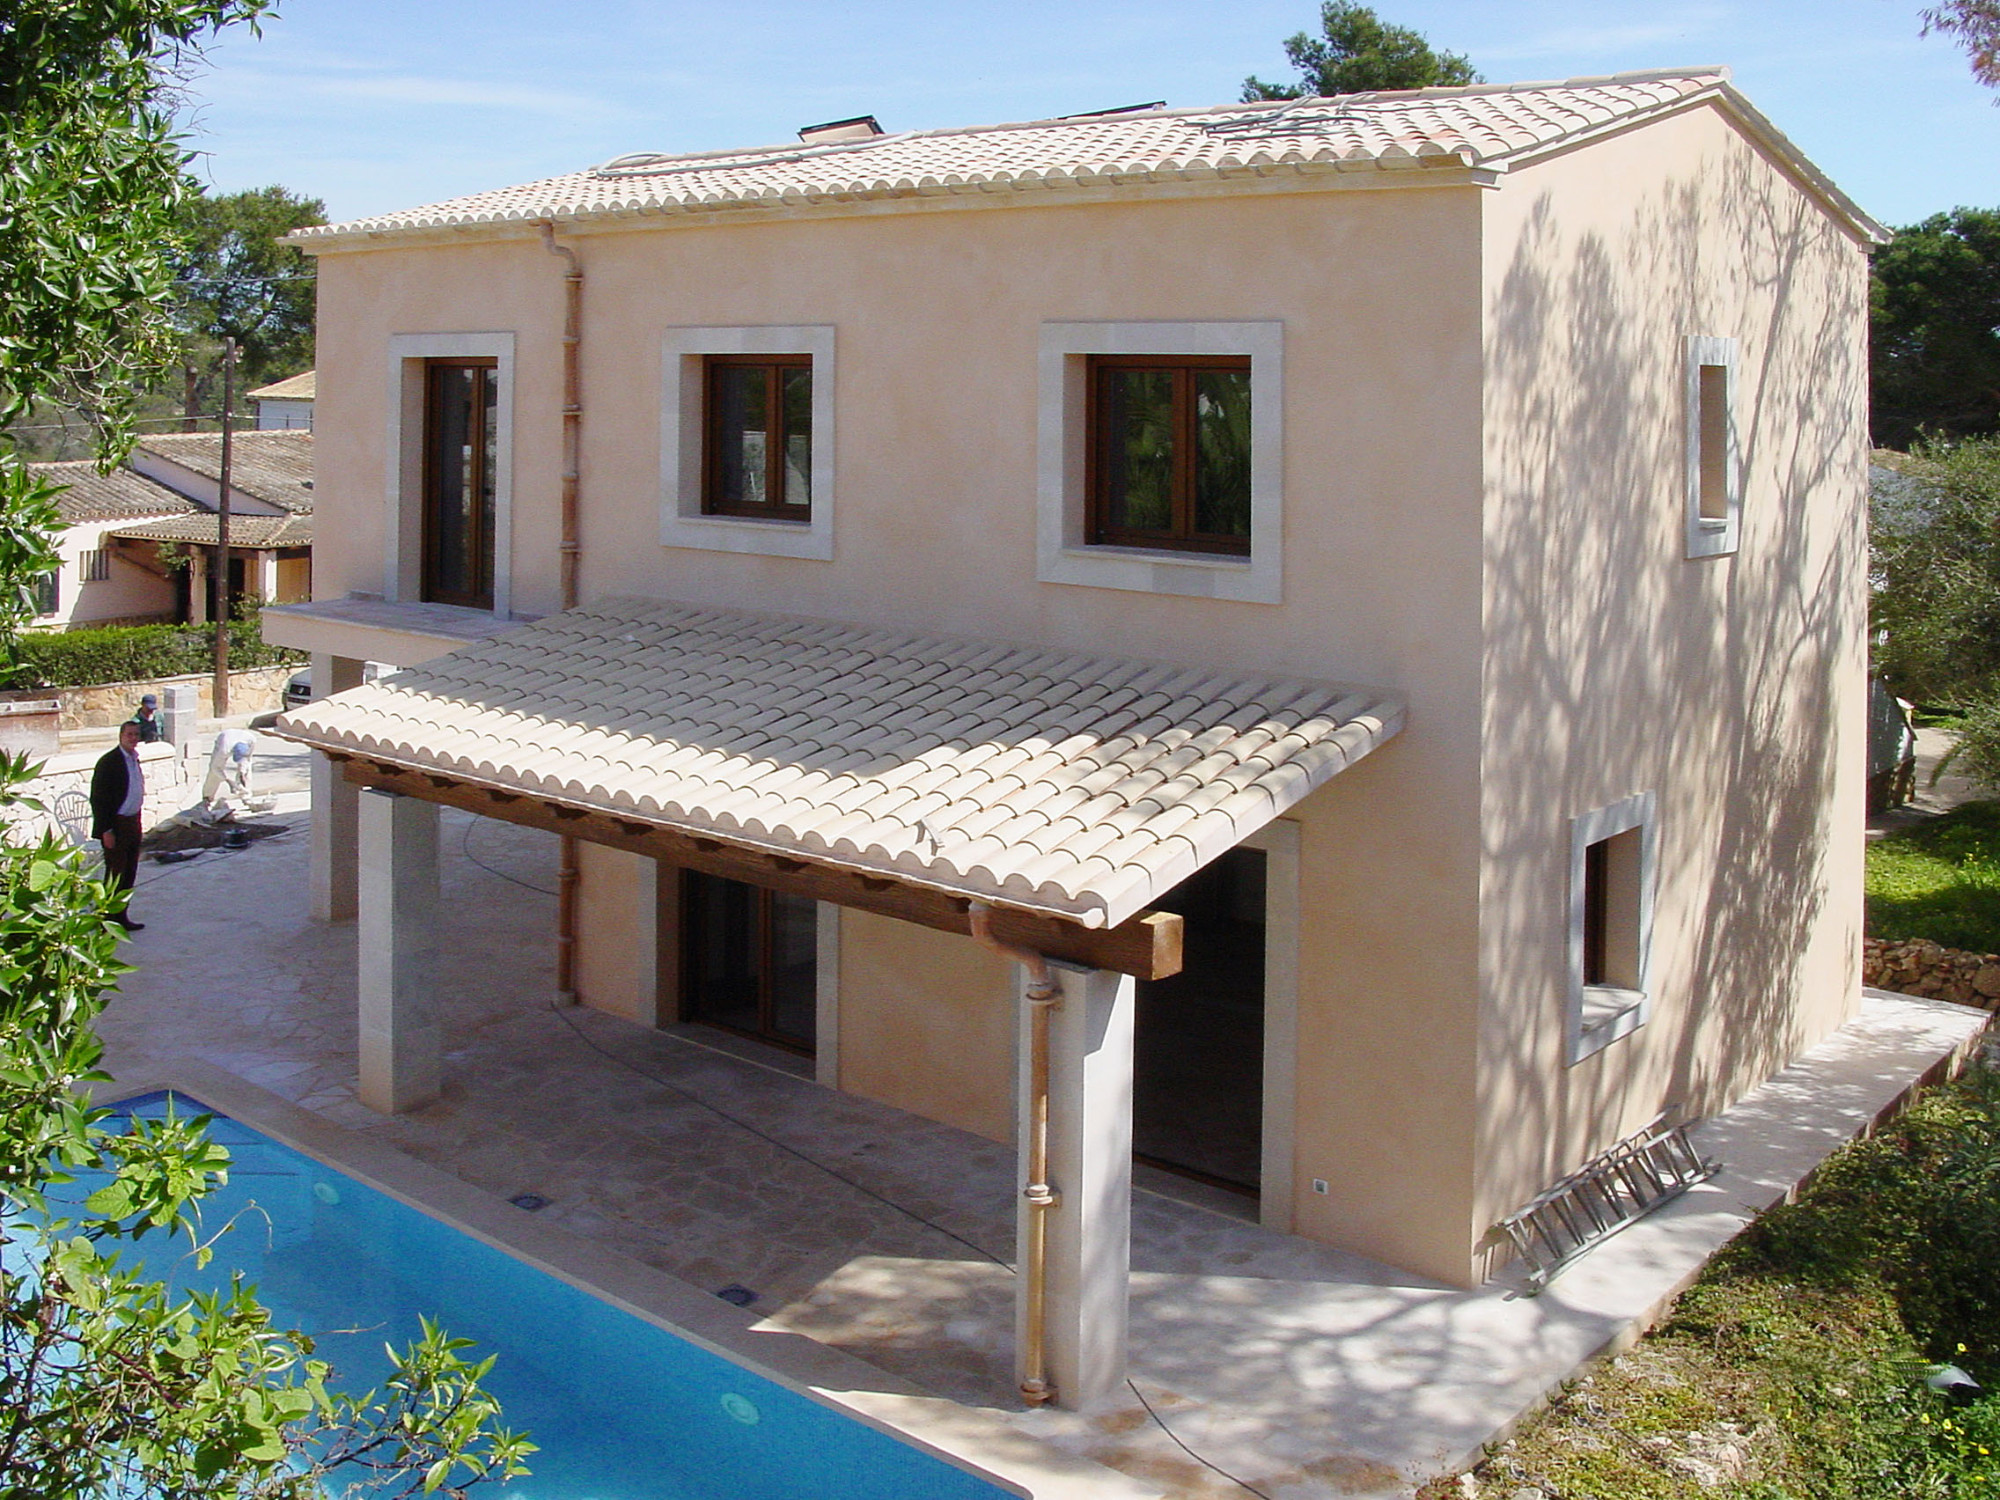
(682, 429)
(1709, 536)
(1063, 555)
(403, 533)
(1595, 1016)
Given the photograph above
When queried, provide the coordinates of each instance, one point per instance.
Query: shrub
(135, 653)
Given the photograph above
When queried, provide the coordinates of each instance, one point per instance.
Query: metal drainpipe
(1044, 994)
(572, 553)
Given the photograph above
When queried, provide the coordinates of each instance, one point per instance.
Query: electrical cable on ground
(1205, 1463)
(465, 847)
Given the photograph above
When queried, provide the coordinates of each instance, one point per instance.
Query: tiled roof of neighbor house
(244, 531)
(1083, 787)
(297, 388)
(117, 496)
(1488, 126)
(272, 466)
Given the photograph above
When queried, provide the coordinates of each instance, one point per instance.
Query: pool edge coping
(961, 1435)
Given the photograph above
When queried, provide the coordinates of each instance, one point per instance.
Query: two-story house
(898, 564)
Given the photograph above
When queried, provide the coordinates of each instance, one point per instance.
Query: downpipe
(572, 554)
(1044, 994)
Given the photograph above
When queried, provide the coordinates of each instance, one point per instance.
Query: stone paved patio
(1306, 1372)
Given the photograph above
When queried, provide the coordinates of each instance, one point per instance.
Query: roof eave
(1443, 169)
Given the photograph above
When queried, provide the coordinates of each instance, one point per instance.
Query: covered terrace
(1038, 802)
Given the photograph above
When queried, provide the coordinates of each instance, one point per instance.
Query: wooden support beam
(1146, 947)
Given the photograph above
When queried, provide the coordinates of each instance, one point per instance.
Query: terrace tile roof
(118, 496)
(1077, 786)
(274, 466)
(1489, 126)
(202, 527)
(297, 388)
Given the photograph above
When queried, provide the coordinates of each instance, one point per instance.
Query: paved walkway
(1306, 1372)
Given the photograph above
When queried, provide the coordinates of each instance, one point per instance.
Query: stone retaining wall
(1921, 967)
(63, 789)
(251, 691)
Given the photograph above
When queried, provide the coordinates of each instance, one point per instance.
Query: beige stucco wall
(131, 593)
(1730, 686)
(1425, 1046)
(937, 318)
(927, 1023)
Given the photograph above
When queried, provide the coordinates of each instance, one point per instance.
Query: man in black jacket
(117, 792)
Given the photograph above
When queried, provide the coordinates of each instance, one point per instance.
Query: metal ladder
(1609, 1191)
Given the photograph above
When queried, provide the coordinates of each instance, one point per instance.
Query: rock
(1987, 979)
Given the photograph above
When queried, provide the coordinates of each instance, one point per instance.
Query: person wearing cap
(147, 717)
(228, 774)
(117, 792)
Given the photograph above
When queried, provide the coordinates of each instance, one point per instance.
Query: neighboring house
(285, 405)
(115, 525)
(983, 520)
(104, 580)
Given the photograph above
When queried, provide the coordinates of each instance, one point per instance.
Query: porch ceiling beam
(1146, 947)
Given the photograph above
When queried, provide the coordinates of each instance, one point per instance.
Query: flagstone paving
(1307, 1372)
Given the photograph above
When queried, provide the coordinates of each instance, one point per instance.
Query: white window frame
(683, 431)
(1596, 1015)
(1710, 536)
(403, 526)
(1062, 552)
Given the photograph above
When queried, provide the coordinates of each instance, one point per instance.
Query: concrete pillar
(197, 585)
(265, 584)
(332, 876)
(401, 1054)
(1090, 1168)
(180, 714)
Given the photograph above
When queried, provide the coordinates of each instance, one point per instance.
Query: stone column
(1090, 1168)
(332, 877)
(401, 1054)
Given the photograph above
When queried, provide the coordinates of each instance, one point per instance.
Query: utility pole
(220, 591)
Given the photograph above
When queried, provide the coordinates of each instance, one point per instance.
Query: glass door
(749, 961)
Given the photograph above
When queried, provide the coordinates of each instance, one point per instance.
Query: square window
(746, 440)
(1160, 458)
(95, 565)
(1612, 873)
(1714, 478)
(758, 436)
(1170, 452)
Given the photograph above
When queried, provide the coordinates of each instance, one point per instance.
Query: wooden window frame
(774, 366)
(482, 545)
(1181, 537)
(766, 967)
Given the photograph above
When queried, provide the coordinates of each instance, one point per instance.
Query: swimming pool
(621, 1408)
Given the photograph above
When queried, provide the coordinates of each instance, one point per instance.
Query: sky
(376, 105)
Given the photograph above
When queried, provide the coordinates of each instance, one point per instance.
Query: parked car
(299, 691)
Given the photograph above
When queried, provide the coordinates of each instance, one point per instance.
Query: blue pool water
(621, 1409)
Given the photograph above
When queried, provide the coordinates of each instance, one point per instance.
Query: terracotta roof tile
(274, 466)
(1479, 126)
(814, 739)
(120, 495)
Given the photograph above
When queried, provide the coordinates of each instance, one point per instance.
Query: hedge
(134, 653)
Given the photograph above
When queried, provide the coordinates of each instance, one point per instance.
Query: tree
(1356, 53)
(107, 1385)
(233, 279)
(1976, 24)
(1935, 329)
(1935, 556)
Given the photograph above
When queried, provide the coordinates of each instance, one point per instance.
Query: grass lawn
(1939, 880)
(1794, 1369)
